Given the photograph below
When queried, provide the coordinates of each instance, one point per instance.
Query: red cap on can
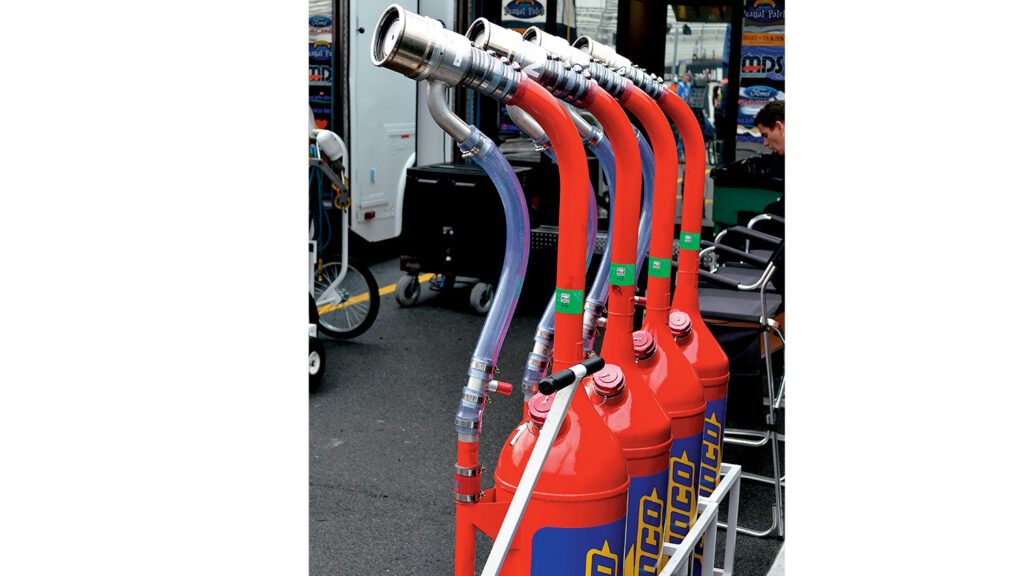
(679, 323)
(643, 344)
(539, 406)
(609, 381)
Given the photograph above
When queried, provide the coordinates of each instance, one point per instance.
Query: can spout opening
(387, 35)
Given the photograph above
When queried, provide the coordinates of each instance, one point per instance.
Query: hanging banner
(519, 15)
(764, 39)
(752, 99)
(763, 62)
(762, 65)
(321, 62)
(767, 15)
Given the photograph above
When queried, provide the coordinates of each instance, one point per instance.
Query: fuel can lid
(643, 344)
(609, 381)
(539, 407)
(679, 323)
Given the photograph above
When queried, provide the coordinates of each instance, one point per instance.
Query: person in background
(771, 123)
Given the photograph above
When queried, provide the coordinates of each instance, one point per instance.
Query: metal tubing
(710, 541)
(664, 208)
(528, 125)
(706, 521)
(437, 103)
(732, 518)
(590, 134)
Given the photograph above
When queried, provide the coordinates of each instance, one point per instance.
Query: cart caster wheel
(407, 291)
(481, 297)
(316, 363)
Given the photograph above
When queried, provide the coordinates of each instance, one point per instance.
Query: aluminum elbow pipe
(528, 125)
(437, 103)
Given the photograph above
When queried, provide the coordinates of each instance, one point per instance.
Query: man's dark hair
(771, 113)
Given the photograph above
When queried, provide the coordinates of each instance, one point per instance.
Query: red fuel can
(634, 415)
(712, 368)
(675, 385)
(575, 522)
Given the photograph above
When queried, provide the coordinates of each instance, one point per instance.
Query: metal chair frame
(770, 435)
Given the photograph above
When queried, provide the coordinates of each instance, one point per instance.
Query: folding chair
(741, 299)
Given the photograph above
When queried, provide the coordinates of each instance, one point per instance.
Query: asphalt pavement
(382, 442)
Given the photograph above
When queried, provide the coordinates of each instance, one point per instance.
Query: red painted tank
(683, 401)
(620, 394)
(669, 376)
(698, 345)
(575, 522)
(635, 417)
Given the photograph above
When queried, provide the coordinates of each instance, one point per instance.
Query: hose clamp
(544, 337)
(474, 397)
(468, 498)
(468, 470)
(461, 425)
(481, 370)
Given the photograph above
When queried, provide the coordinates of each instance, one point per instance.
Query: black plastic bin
(453, 223)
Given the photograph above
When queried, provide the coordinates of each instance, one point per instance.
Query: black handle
(563, 378)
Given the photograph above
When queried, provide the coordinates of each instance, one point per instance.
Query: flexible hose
(536, 366)
(571, 273)
(643, 243)
(547, 320)
(517, 246)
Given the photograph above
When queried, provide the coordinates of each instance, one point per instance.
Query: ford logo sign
(319, 22)
(524, 9)
(760, 92)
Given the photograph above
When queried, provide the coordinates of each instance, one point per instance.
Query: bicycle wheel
(350, 308)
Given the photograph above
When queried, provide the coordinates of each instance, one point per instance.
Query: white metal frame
(706, 526)
(331, 295)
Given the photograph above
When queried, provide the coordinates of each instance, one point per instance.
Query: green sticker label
(623, 274)
(689, 240)
(659, 267)
(568, 301)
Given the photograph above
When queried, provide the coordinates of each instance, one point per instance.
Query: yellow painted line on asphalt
(366, 295)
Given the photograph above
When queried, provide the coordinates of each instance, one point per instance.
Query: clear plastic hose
(547, 321)
(517, 247)
(540, 358)
(647, 208)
